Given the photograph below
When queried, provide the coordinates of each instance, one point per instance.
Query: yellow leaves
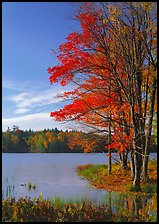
(151, 206)
(14, 138)
(105, 21)
(147, 6)
(112, 18)
(15, 212)
(154, 203)
(112, 9)
(152, 72)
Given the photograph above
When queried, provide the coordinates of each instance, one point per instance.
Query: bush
(40, 210)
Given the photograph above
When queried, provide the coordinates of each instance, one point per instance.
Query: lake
(54, 174)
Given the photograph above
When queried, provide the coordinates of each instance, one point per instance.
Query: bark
(138, 163)
(109, 164)
(132, 165)
(137, 152)
(137, 158)
(148, 135)
(109, 151)
(109, 141)
(123, 160)
(145, 177)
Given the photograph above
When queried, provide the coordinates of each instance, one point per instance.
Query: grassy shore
(119, 180)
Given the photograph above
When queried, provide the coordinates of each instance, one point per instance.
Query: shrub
(40, 210)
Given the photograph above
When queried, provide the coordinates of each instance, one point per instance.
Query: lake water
(54, 174)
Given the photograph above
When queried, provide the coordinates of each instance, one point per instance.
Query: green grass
(147, 188)
(59, 201)
(98, 176)
(91, 171)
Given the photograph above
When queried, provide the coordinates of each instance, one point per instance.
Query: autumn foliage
(112, 62)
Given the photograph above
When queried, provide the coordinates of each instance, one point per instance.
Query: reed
(31, 186)
(9, 189)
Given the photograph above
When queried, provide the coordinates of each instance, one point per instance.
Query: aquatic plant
(8, 190)
(31, 186)
(34, 186)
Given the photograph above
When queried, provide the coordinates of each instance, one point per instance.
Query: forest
(55, 141)
(51, 141)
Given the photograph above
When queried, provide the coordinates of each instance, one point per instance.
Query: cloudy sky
(29, 31)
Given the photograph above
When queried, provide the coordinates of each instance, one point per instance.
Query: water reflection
(137, 206)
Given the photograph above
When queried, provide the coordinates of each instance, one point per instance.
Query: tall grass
(60, 201)
(9, 189)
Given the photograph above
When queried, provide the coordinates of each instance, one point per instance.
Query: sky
(29, 31)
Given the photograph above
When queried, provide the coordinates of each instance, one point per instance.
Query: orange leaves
(51, 138)
(120, 140)
(125, 107)
(45, 143)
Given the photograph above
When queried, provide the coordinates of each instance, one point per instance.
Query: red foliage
(83, 53)
(18, 131)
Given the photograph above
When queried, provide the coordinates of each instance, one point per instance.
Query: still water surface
(53, 174)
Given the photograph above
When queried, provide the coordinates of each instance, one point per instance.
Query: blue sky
(29, 31)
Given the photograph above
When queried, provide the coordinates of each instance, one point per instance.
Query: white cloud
(21, 110)
(38, 121)
(31, 99)
(27, 100)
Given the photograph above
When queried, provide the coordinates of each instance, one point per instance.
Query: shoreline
(119, 180)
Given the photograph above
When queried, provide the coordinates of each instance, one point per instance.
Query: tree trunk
(109, 163)
(123, 160)
(138, 163)
(148, 134)
(109, 151)
(132, 165)
(137, 149)
(145, 177)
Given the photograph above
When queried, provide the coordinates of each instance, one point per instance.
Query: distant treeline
(52, 141)
(45, 141)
